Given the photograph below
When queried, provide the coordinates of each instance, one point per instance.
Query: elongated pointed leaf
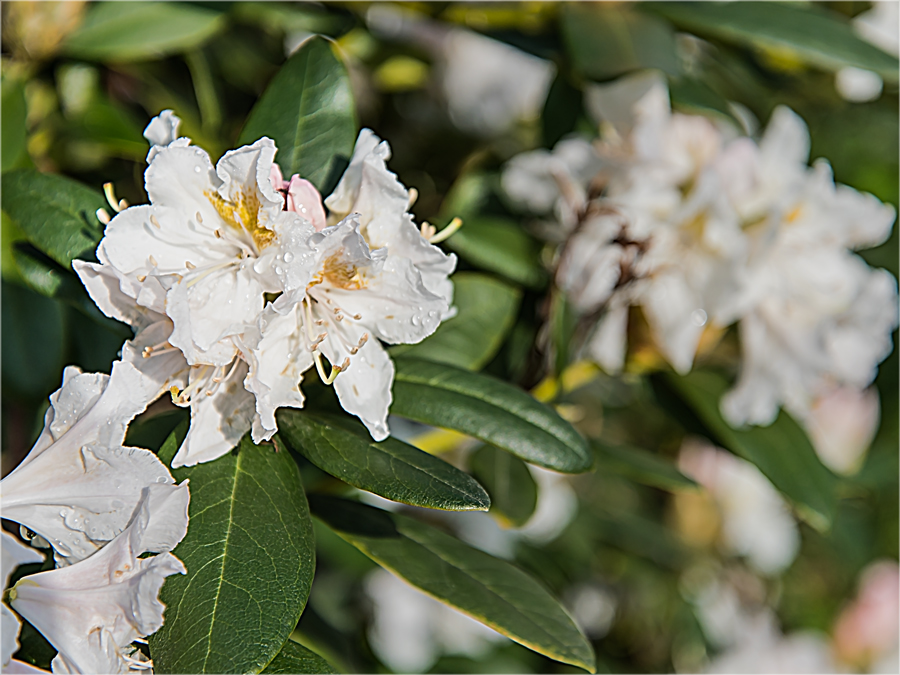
(782, 451)
(295, 658)
(640, 466)
(488, 409)
(250, 557)
(58, 215)
(137, 31)
(502, 246)
(493, 591)
(308, 111)
(508, 481)
(486, 308)
(392, 469)
(606, 40)
(819, 37)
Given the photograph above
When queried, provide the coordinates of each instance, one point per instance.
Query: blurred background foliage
(81, 80)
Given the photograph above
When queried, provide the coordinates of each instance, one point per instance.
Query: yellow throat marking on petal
(339, 273)
(243, 216)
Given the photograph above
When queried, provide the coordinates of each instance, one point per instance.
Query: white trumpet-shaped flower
(79, 486)
(12, 554)
(93, 610)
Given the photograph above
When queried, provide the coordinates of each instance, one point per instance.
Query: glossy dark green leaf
(696, 98)
(782, 451)
(493, 591)
(392, 469)
(138, 31)
(640, 466)
(606, 40)
(295, 658)
(13, 129)
(486, 308)
(308, 111)
(33, 341)
(502, 246)
(819, 37)
(249, 554)
(488, 409)
(508, 481)
(58, 215)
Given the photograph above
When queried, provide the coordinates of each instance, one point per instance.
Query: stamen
(110, 193)
(362, 341)
(447, 232)
(357, 316)
(122, 205)
(427, 230)
(319, 340)
(413, 196)
(155, 222)
(153, 261)
(326, 379)
(141, 278)
(103, 216)
(190, 265)
(218, 235)
(200, 220)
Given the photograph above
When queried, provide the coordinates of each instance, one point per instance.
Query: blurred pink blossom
(867, 628)
(841, 426)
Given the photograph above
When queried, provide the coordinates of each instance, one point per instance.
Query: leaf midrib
(212, 623)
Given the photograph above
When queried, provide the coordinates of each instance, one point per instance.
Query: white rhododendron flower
(699, 229)
(879, 26)
(813, 313)
(236, 285)
(12, 554)
(93, 610)
(79, 486)
(842, 425)
(756, 520)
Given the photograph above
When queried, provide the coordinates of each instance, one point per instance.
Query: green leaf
(392, 469)
(141, 31)
(492, 591)
(640, 466)
(509, 483)
(58, 215)
(607, 40)
(486, 308)
(782, 451)
(500, 245)
(295, 658)
(488, 409)
(249, 553)
(819, 37)
(308, 111)
(13, 130)
(33, 341)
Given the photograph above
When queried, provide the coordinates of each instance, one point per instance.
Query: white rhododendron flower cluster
(701, 228)
(236, 284)
(100, 506)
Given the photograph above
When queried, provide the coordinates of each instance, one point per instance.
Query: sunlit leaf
(308, 111)
(392, 469)
(490, 590)
(488, 409)
(250, 556)
(486, 308)
(137, 31)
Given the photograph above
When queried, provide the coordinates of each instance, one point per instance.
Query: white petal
(107, 288)
(340, 202)
(276, 367)
(181, 178)
(163, 367)
(16, 667)
(786, 141)
(218, 422)
(113, 591)
(671, 307)
(207, 307)
(14, 553)
(163, 129)
(246, 176)
(364, 389)
(607, 345)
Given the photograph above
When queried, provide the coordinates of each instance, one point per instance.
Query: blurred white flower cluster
(236, 284)
(879, 26)
(700, 228)
(100, 506)
(732, 612)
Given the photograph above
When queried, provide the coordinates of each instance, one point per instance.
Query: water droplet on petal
(698, 317)
(197, 169)
(288, 256)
